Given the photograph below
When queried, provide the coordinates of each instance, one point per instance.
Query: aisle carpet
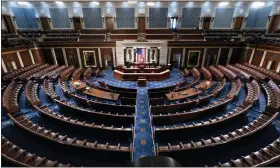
(143, 138)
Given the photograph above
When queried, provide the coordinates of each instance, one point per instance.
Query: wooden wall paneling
(59, 56)
(38, 56)
(9, 23)
(273, 57)
(89, 49)
(175, 51)
(109, 21)
(238, 22)
(257, 57)
(237, 54)
(106, 53)
(141, 24)
(193, 49)
(48, 56)
(72, 57)
(45, 22)
(124, 31)
(123, 37)
(211, 56)
(224, 56)
(25, 57)
(206, 22)
(77, 23)
(274, 22)
(160, 36)
(247, 55)
(8, 58)
(158, 31)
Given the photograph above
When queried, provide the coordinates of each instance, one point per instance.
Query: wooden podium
(141, 81)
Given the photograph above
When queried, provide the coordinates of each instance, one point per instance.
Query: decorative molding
(64, 56)
(31, 56)
(218, 57)
(100, 58)
(54, 56)
(252, 55)
(20, 60)
(204, 56)
(229, 55)
(79, 57)
(183, 57)
(263, 58)
(4, 66)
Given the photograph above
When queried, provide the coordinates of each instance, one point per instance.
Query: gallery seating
(73, 145)
(10, 97)
(206, 73)
(28, 74)
(49, 89)
(253, 92)
(20, 157)
(273, 94)
(30, 33)
(103, 131)
(228, 73)
(177, 131)
(235, 88)
(170, 118)
(15, 74)
(43, 72)
(106, 117)
(260, 158)
(54, 74)
(178, 150)
(31, 93)
(77, 74)
(216, 72)
(257, 75)
(122, 109)
(245, 76)
(88, 73)
(272, 75)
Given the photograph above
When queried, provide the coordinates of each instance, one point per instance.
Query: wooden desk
(102, 94)
(141, 82)
(78, 85)
(202, 85)
(149, 76)
(189, 92)
(182, 94)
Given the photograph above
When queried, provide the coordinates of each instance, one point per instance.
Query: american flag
(141, 55)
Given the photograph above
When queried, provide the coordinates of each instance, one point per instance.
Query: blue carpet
(23, 102)
(108, 77)
(143, 138)
(241, 97)
(43, 97)
(59, 92)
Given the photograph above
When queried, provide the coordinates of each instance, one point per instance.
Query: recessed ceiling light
(95, 3)
(21, 3)
(150, 3)
(223, 3)
(132, 2)
(59, 2)
(257, 4)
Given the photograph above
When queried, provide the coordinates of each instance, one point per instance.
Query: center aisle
(143, 135)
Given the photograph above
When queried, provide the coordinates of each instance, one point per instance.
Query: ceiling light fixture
(257, 4)
(132, 2)
(150, 3)
(21, 3)
(223, 3)
(59, 2)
